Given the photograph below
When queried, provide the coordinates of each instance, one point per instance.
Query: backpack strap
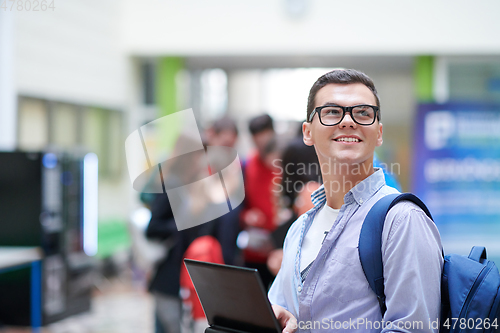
(370, 241)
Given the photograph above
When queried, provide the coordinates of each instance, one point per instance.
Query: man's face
(262, 139)
(347, 142)
(225, 138)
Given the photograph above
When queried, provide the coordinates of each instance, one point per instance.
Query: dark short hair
(225, 123)
(260, 123)
(342, 76)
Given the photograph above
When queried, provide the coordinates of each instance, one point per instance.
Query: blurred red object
(204, 248)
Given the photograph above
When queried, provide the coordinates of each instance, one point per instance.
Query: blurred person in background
(198, 199)
(390, 179)
(224, 132)
(301, 176)
(259, 212)
(300, 165)
(165, 283)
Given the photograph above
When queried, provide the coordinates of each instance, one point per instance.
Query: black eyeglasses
(331, 115)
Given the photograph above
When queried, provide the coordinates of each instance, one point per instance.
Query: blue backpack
(470, 286)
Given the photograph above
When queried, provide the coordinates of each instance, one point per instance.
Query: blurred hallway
(118, 306)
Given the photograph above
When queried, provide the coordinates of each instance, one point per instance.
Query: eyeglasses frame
(345, 109)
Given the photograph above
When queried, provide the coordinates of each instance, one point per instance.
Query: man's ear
(380, 140)
(306, 133)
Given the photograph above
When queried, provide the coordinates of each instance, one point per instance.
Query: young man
(321, 285)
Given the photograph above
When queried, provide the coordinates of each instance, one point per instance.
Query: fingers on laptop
(285, 318)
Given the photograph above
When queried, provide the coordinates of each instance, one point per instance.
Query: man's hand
(286, 319)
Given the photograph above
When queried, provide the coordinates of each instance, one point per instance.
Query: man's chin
(344, 165)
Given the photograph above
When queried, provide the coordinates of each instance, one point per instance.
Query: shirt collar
(359, 193)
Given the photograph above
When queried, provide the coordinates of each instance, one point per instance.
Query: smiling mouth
(347, 140)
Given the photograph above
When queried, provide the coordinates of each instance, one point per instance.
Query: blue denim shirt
(336, 296)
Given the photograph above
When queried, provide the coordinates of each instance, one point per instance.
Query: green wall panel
(424, 76)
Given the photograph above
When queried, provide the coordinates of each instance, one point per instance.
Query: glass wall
(66, 127)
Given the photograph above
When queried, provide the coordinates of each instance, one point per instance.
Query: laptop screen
(232, 297)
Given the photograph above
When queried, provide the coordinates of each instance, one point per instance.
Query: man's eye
(362, 113)
(332, 112)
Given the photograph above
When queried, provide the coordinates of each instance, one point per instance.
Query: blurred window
(73, 128)
(64, 125)
(33, 121)
(93, 136)
(477, 81)
(213, 93)
(148, 77)
(286, 91)
(103, 134)
(115, 143)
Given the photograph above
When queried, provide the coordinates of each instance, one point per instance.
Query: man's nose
(347, 120)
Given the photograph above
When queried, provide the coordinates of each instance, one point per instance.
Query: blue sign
(457, 172)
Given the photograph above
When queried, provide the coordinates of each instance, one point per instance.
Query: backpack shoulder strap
(370, 241)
